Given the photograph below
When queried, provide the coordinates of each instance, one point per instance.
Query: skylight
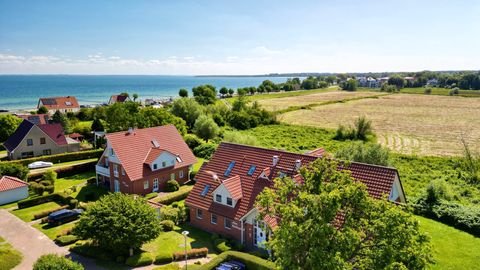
(68, 103)
(155, 143)
(205, 190)
(251, 170)
(179, 159)
(229, 169)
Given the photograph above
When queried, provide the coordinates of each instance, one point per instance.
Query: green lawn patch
(8, 205)
(68, 182)
(26, 214)
(9, 257)
(199, 163)
(53, 231)
(82, 193)
(452, 249)
(178, 195)
(285, 94)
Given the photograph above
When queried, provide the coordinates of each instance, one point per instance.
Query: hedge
(68, 171)
(66, 240)
(140, 259)
(167, 225)
(92, 251)
(163, 258)
(191, 254)
(60, 158)
(46, 213)
(151, 195)
(54, 197)
(175, 196)
(250, 261)
(221, 245)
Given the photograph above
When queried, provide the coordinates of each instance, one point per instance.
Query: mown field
(440, 91)
(274, 95)
(409, 124)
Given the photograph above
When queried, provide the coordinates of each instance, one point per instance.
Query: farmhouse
(141, 161)
(30, 140)
(118, 99)
(12, 189)
(222, 200)
(62, 104)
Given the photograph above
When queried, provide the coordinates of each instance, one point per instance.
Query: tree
(42, 110)
(97, 125)
(152, 117)
(125, 221)
(183, 92)
(188, 109)
(205, 94)
(231, 92)
(121, 116)
(135, 96)
(60, 118)
(363, 127)
(396, 80)
(366, 153)
(125, 94)
(223, 91)
(15, 170)
(206, 128)
(56, 262)
(349, 85)
(346, 228)
(8, 124)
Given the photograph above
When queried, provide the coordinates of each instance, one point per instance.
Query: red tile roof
(118, 98)
(9, 183)
(379, 180)
(37, 119)
(55, 132)
(317, 152)
(132, 149)
(56, 103)
(234, 187)
(154, 153)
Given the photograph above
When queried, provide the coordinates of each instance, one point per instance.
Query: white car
(40, 164)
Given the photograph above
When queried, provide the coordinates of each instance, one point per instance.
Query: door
(260, 236)
(116, 186)
(155, 184)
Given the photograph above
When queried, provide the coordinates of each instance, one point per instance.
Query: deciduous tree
(183, 92)
(8, 125)
(205, 94)
(188, 109)
(206, 128)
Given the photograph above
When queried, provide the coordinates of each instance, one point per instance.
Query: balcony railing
(102, 170)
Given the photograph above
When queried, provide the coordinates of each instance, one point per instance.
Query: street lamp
(185, 234)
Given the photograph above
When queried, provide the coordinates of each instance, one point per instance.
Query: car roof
(59, 212)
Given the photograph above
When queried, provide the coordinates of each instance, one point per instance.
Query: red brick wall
(219, 228)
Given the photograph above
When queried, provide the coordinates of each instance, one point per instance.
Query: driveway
(32, 243)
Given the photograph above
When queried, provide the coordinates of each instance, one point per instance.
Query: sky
(237, 37)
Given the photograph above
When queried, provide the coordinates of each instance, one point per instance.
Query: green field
(285, 94)
(9, 257)
(440, 91)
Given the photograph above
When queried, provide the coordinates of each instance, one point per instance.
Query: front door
(116, 186)
(260, 236)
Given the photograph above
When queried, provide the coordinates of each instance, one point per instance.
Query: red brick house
(222, 200)
(141, 161)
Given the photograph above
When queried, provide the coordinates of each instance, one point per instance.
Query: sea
(21, 92)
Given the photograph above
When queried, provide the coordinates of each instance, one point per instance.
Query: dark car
(64, 215)
(231, 265)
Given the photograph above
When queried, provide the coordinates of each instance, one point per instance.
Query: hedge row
(164, 258)
(54, 197)
(174, 196)
(46, 213)
(60, 158)
(66, 240)
(250, 261)
(191, 254)
(140, 259)
(68, 171)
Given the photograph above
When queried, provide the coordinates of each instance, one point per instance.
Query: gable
(17, 137)
(164, 160)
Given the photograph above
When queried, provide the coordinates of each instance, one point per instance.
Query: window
(228, 223)
(112, 153)
(199, 213)
(145, 184)
(27, 154)
(172, 176)
(179, 159)
(229, 201)
(180, 174)
(155, 184)
(218, 198)
(164, 164)
(251, 170)
(42, 141)
(214, 219)
(230, 168)
(29, 142)
(115, 168)
(205, 190)
(155, 166)
(47, 152)
(123, 171)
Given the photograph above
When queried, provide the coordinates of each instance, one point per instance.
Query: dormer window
(164, 164)
(155, 166)
(112, 153)
(218, 198)
(229, 201)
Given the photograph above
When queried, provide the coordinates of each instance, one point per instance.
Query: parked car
(231, 265)
(64, 215)
(40, 164)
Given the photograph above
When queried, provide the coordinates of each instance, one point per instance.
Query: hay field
(405, 123)
(277, 104)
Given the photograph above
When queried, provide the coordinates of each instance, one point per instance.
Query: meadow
(405, 123)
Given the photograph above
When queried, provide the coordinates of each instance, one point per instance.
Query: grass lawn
(81, 193)
(197, 165)
(26, 214)
(53, 232)
(440, 91)
(68, 182)
(452, 249)
(84, 124)
(8, 205)
(9, 257)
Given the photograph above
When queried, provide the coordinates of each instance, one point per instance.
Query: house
(62, 104)
(141, 161)
(222, 200)
(12, 189)
(118, 99)
(30, 140)
(37, 119)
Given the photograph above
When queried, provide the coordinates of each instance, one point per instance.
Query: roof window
(205, 190)
(229, 169)
(251, 170)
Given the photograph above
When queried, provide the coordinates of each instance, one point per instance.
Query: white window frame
(180, 174)
(146, 184)
(218, 196)
(199, 213)
(29, 140)
(231, 200)
(225, 223)
(155, 184)
(216, 219)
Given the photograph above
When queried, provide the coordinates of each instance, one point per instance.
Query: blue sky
(241, 37)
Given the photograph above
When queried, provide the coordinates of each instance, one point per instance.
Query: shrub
(175, 196)
(45, 183)
(92, 251)
(14, 169)
(151, 195)
(454, 91)
(366, 153)
(66, 240)
(221, 245)
(50, 176)
(163, 258)
(37, 200)
(205, 150)
(427, 91)
(167, 225)
(359, 131)
(193, 141)
(92, 180)
(53, 261)
(171, 266)
(140, 259)
(192, 175)
(250, 261)
(90, 196)
(172, 185)
(192, 253)
(60, 158)
(46, 213)
(50, 189)
(73, 203)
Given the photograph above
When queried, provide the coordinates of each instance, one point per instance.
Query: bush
(140, 259)
(427, 91)
(172, 185)
(53, 262)
(73, 203)
(205, 150)
(50, 189)
(167, 225)
(359, 131)
(163, 258)
(14, 169)
(92, 180)
(193, 141)
(45, 183)
(171, 266)
(66, 240)
(92, 251)
(46, 213)
(366, 153)
(90, 196)
(191, 254)
(454, 91)
(221, 245)
(250, 261)
(37, 200)
(175, 196)
(151, 195)
(60, 158)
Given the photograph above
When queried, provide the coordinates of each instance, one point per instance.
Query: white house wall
(222, 190)
(13, 195)
(166, 157)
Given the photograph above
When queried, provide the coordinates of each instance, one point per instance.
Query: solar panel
(49, 101)
(251, 170)
(229, 169)
(205, 190)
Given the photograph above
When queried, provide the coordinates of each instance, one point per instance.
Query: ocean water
(19, 92)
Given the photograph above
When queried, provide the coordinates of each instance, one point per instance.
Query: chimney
(130, 131)
(274, 161)
(298, 164)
